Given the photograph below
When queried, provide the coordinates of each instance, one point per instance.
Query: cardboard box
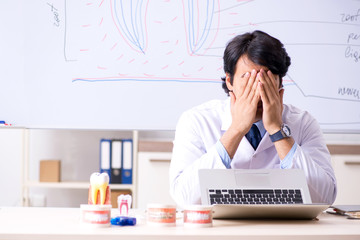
(50, 170)
(115, 194)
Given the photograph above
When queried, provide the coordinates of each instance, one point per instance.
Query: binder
(116, 160)
(105, 156)
(127, 165)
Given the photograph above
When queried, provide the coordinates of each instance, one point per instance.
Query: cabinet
(11, 156)
(153, 178)
(78, 151)
(347, 172)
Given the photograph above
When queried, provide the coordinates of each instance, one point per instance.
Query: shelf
(27, 184)
(73, 185)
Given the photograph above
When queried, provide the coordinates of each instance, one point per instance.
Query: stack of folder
(116, 159)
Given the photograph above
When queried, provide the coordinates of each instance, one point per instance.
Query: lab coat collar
(265, 143)
(226, 116)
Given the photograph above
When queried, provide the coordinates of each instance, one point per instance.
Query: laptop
(258, 193)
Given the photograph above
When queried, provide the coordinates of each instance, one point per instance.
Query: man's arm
(272, 99)
(313, 157)
(191, 153)
(311, 153)
(244, 100)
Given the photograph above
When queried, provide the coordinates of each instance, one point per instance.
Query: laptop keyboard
(255, 196)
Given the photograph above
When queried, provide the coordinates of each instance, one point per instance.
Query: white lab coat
(199, 129)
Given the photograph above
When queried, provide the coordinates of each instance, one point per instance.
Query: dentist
(251, 129)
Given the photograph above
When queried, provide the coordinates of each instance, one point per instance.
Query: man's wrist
(275, 128)
(284, 132)
(237, 131)
(230, 141)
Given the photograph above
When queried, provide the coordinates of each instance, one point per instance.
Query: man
(217, 134)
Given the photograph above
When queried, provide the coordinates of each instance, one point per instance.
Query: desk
(63, 223)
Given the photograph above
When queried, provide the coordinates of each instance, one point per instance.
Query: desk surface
(63, 223)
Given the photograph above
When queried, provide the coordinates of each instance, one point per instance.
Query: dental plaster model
(99, 191)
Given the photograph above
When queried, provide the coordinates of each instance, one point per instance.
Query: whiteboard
(138, 64)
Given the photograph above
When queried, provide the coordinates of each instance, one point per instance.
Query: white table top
(63, 223)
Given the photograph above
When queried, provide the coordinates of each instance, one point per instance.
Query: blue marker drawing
(201, 19)
(130, 19)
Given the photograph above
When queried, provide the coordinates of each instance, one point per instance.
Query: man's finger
(273, 79)
(270, 90)
(263, 94)
(250, 82)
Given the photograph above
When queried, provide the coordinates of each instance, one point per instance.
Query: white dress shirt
(196, 147)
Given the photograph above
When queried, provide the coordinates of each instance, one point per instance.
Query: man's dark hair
(260, 48)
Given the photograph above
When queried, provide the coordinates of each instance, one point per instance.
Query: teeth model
(124, 202)
(99, 183)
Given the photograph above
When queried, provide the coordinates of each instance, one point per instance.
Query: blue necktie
(254, 136)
